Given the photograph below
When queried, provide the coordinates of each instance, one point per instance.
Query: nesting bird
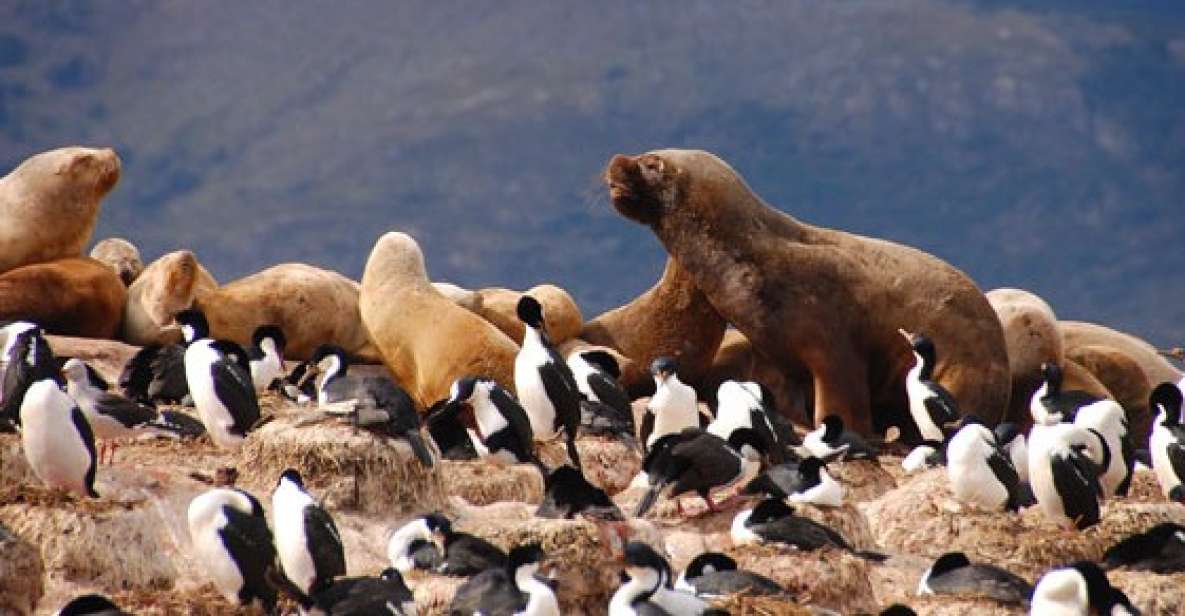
(1063, 475)
(696, 461)
(1167, 444)
(672, 408)
(931, 406)
(646, 591)
(773, 521)
(412, 546)
(233, 544)
(219, 380)
(90, 605)
(1078, 590)
(514, 590)
(57, 440)
(1108, 420)
(831, 440)
(952, 573)
(266, 356)
(502, 428)
(447, 430)
(806, 481)
(1051, 401)
(566, 494)
(605, 408)
(713, 574)
(364, 596)
(1160, 549)
(980, 473)
(740, 406)
(464, 554)
(156, 373)
(545, 385)
(307, 540)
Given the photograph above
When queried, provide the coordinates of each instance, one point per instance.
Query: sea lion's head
(650, 186)
(396, 259)
(171, 287)
(121, 256)
(75, 171)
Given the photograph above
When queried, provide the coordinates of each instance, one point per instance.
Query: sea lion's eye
(652, 168)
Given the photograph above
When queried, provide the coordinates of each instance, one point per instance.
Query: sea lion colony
(835, 340)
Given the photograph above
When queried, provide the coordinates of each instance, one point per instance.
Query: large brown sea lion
(426, 340)
(673, 318)
(121, 256)
(1124, 379)
(311, 305)
(1156, 368)
(49, 204)
(1032, 337)
(77, 296)
(560, 313)
(826, 300)
(167, 286)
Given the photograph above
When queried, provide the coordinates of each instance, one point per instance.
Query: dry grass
(479, 482)
(863, 480)
(608, 464)
(952, 605)
(14, 470)
(1152, 593)
(21, 573)
(201, 601)
(352, 470)
(823, 578)
(750, 605)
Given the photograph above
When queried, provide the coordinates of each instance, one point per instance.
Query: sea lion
(561, 315)
(312, 306)
(673, 319)
(426, 340)
(820, 298)
(76, 296)
(167, 286)
(1156, 368)
(1124, 379)
(49, 204)
(1032, 338)
(121, 256)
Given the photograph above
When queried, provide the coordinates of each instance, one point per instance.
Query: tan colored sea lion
(426, 340)
(1077, 377)
(561, 315)
(312, 306)
(77, 296)
(1124, 379)
(1032, 337)
(167, 286)
(49, 204)
(824, 299)
(1156, 368)
(121, 256)
(673, 318)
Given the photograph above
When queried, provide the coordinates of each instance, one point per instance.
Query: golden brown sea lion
(1124, 379)
(561, 315)
(167, 286)
(673, 318)
(312, 306)
(1032, 337)
(824, 299)
(49, 204)
(426, 340)
(77, 296)
(1156, 368)
(121, 256)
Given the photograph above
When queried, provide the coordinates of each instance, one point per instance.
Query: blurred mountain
(1032, 144)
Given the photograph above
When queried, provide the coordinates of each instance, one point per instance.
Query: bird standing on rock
(307, 541)
(980, 473)
(544, 382)
(696, 461)
(672, 409)
(831, 441)
(1167, 444)
(219, 380)
(266, 356)
(57, 440)
(605, 408)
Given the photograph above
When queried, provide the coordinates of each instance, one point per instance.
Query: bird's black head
(898, 609)
(833, 428)
(638, 554)
(90, 604)
(1177, 494)
(438, 523)
(525, 555)
(194, 325)
(769, 510)
(292, 475)
(809, 469)
(462, 389)
(709, 562)
(263, 332)
(746, 437)
(1053, 377)
(663, 366)
(949, 562)
(922, 345)
(324, 356)
(604, 361)
(1166, 398)
(1098, 588)
(530, 311)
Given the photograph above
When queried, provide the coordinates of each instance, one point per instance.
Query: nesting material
(433, 593)
(951, 605)
(921, 517)
(351, 469)
(200, 601)
(750, 605)
(21, 574)
(1151, 593)
(115, 545)
(863, 480)
(608, 464)
(847, 520)
(824, 578)
(1145, 489)
(480, 482)
(14, 469)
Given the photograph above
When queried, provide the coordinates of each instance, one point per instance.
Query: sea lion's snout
(633, 181)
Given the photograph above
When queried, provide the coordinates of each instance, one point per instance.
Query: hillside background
(1032, 144)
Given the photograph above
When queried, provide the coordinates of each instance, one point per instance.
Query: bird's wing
(610, 393)
(123, 410)
(249, 541)
(329, 558)
(233, 387)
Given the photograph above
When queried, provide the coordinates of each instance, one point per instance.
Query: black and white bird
(1014, 443)
(713, 574)
(929, 454)
(1167, 444)
(8, 335)
(91, 605)
(375, 403)
(233, 545)
(299, 385)
(831, 441)
(1107, 418)
(740, 406)
(696, 461)
(806, 481)
(156, 373)
(773, 521)
(545, 385)
(57, 440)
(219, 380)
(307, 540)
(266, 357)
(953, 574)
(1160, 549)
(385, 594)
(413, 546)
(1063, 474)
(448, 432)
(513, 591)
(464, 554)
(931, 406)
(1051, 401)
(113, 416)
(979, 472)
(566, 494)
(29, 360)
(646, 592)
(501, 428)
(1078, 590)
(672, 408)
(605, 409)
